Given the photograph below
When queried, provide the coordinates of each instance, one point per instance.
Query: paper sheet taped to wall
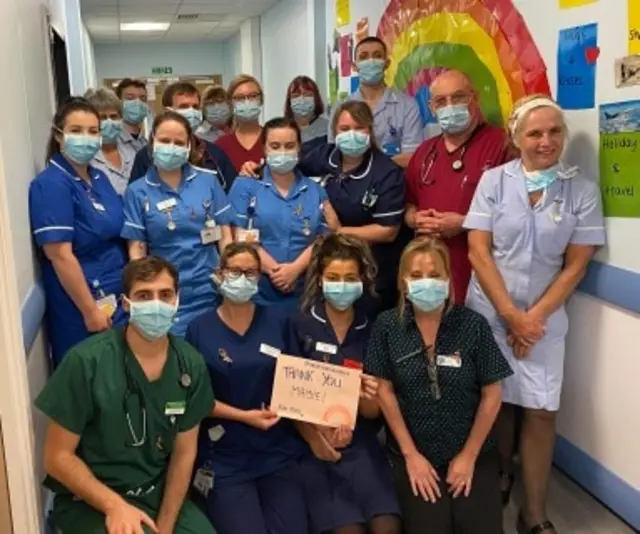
(568, 4)
(578, 53)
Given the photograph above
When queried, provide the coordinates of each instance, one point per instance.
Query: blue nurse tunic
(66, 209)
(360, 486)
(257, 487)
(170, 222)
(287, 225)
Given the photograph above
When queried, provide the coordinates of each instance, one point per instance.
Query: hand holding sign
(316, 392)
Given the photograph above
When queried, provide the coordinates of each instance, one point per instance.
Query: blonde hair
(422, 245)
(338, 247)
(517, 117)
(241, 79)
(360, 112)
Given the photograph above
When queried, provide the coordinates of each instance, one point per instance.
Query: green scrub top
(86, 396)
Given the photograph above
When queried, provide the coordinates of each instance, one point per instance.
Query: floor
(572, 511)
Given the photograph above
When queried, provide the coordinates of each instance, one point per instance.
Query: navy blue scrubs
(66, 209)
(287, 225)
(373, 193)
(257, 487)
(360, 486)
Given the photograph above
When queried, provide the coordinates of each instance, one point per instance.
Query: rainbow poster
(486, 39)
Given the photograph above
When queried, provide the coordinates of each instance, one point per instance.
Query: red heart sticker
(592, 53)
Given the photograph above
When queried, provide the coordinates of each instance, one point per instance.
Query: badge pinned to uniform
(299, 210)
(224, 356)
(98, 207)
(167, 205)
(203, 481)
(175, 408)
(449, 360)
(147, 205)
(269, 350)
(306, 230)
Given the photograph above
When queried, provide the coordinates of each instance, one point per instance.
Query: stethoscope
(134, 390)
(457, 165)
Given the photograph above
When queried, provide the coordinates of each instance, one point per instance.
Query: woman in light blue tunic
(534, 225)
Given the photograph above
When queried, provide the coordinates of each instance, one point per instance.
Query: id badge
(248, 236)
(451, 360)
(209, 236)
(203, 481)
(108, 304)
(98, 207)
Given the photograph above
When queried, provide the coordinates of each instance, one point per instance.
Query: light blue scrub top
(119, 178)
(198, 198)
(397, 122)
(65, 209)
(288, 225)
(207, 132)
(529, 246)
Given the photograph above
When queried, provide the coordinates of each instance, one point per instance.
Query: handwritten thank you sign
(315, 392)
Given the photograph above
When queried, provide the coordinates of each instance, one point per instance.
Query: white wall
(250, 47)
(137, 59)
(232, 48)
(89, 58)
(25, 67)
(288, 49)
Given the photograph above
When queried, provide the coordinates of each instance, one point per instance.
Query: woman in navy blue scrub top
(254, 455)
(356, 494)
(304, 105)
(365, 189)
(180, 213)
(282, 212)
(76, 218)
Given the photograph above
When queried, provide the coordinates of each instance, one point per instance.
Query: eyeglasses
(250, 274)
(242, 98)
(432, 371)
(455, 99)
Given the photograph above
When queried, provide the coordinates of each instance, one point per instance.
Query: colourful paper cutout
(568, 4)
(620, 158)
(633, 35)
(576, 75)
(343, 13)
(362, 29)
(346, 54)
(355, 83)
(487, 39)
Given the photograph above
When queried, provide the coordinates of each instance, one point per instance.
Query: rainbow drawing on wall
(486, 39)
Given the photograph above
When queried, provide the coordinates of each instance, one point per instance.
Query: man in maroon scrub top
(443, 173)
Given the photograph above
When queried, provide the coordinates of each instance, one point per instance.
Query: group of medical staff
(439, 268)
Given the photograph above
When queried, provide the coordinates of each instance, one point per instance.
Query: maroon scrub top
(432, 183)
(238, 154)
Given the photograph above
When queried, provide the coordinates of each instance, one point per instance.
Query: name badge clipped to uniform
(210, 234)
(203, 481)
(449, 360)
(98, 207)
(108, 304)
(248, 236)
(165, 205)
(216, 433)
(269, 350)
(326, 348)
(391, 149)
(175, 408)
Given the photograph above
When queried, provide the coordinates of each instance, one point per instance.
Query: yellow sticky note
(568, 4)
(634, 27)
(343, 12)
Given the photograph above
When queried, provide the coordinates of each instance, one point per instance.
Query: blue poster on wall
(577, 57)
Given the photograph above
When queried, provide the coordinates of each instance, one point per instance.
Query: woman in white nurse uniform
(534, 225)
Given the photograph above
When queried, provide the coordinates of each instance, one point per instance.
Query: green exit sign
(161, 70)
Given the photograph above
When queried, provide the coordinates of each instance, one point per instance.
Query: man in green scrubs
(125, 408)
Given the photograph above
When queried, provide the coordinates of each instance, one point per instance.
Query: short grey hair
(104, 99)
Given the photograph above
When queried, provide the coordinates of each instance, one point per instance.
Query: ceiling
(191, 20)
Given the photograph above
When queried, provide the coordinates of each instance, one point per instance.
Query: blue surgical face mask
(540, 180)
(193, 116)
(238, 290)
(341, 295)
(219, 113)
(427, 294)
(454, 119)
(247, 110)
(353, 143)
(282, 162)
(303, 106)
(371, 71)
(81, 148)
(134, 111)
(110, 130)
(152, 318)
(169, 157)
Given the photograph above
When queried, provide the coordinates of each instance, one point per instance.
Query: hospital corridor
(319, 267)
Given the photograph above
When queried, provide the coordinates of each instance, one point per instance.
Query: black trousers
(480, 513)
